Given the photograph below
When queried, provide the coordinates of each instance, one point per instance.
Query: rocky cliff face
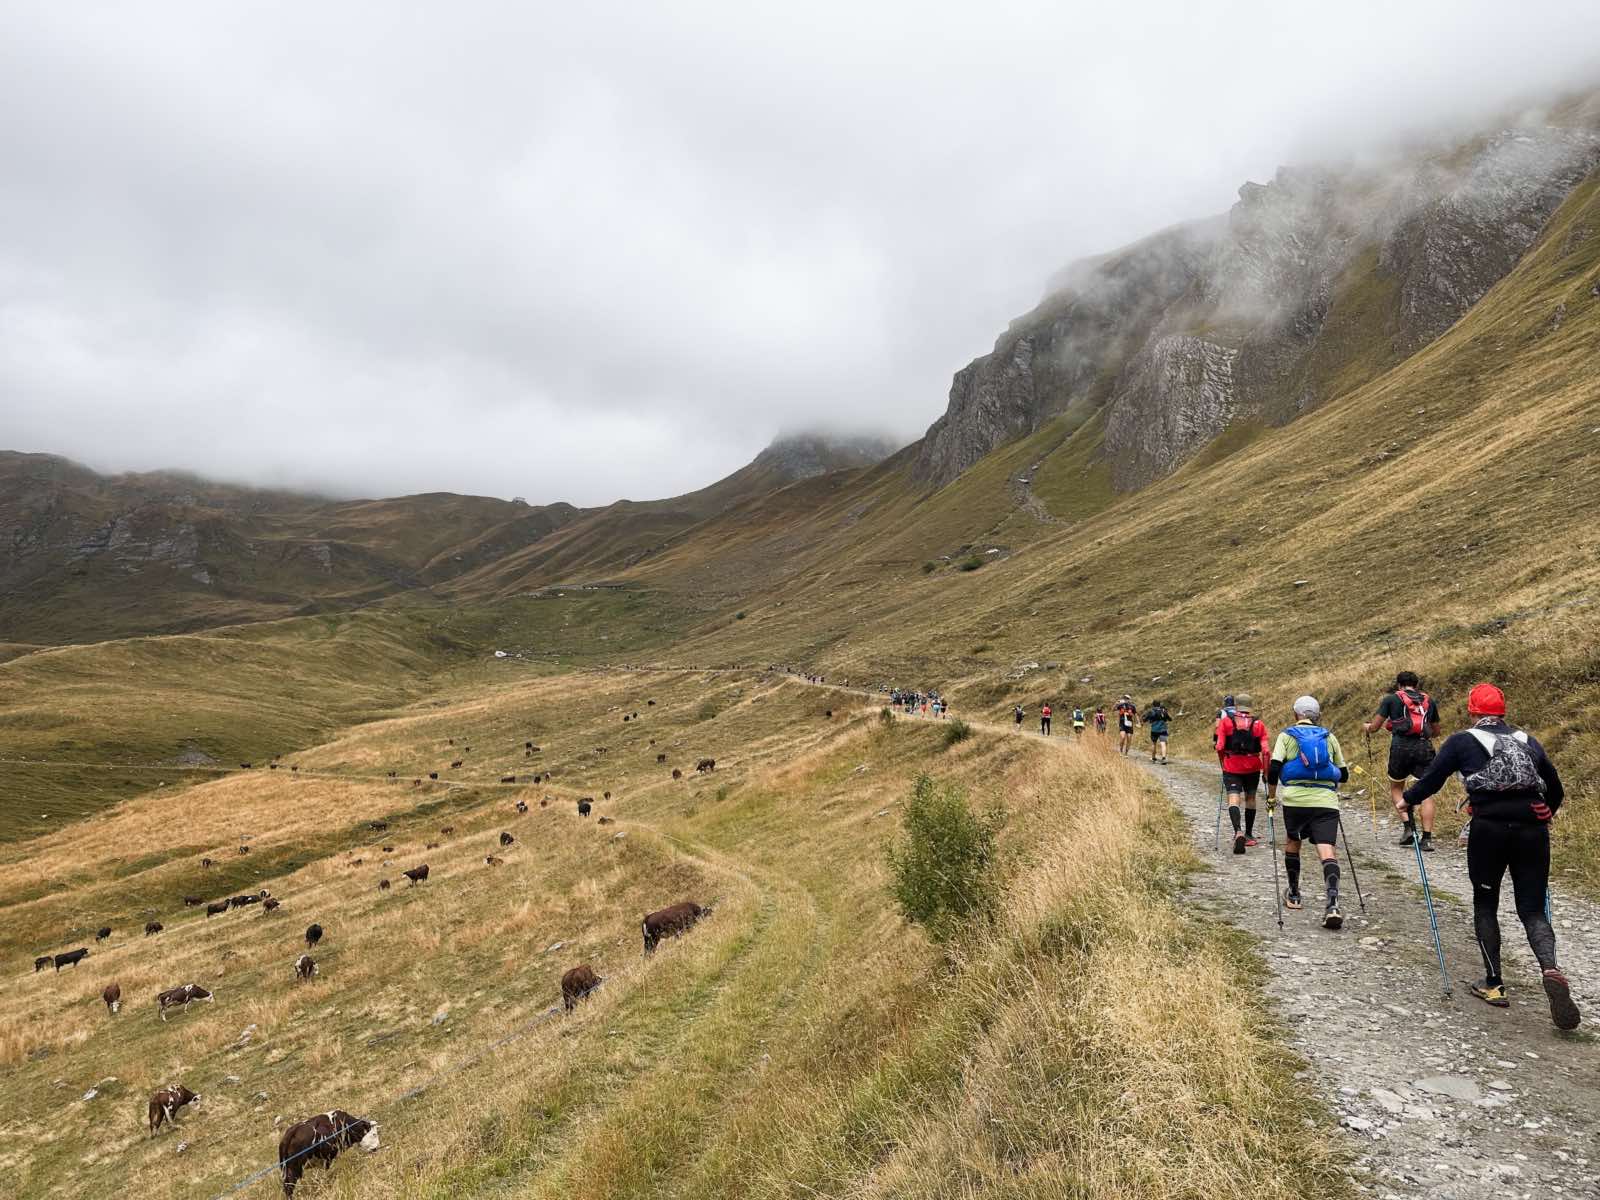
(1311, 284)
(807, 455)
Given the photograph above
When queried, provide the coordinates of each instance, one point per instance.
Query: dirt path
(1451, 1098)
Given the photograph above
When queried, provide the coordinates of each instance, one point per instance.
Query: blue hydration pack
(1314, 766)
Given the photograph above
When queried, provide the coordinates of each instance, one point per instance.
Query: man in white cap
(1309, 765)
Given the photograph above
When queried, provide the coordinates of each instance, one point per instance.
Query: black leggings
(1523, 847)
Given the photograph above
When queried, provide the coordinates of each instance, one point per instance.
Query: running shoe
(1491, 993)
(1250, 841)
(1406, 837)
(1238, 843)
(1562, 1010)
(1333, 918)
(1427, 842)
(1292, 900)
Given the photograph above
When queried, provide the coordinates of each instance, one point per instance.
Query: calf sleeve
(1233, 816)
(1330, 879)
(1486, 925)
(1250, 822)
(1291, 868)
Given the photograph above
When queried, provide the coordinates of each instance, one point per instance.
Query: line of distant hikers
(1513, 793)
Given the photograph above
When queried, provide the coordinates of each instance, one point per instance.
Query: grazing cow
(576, 984)
(193, 901)
(829, 714)
(677, 774)
(466, 749)
(706, 765)
(313, 935)
(380, 826)
(508, 779)
(244, 766)
(295, 767)
(635, 716)
(219, 906)
(433, 774)
(112, 995)
(319, 1139)
(506, 839)
(184, 996)
(605, 820)
(651, 703)
(71, 958)
(304, 968)
(268, 905)
(152, 927)
(272, 766)
(242, 901)
(448, 830)
(544, 801)
(205, 862)
(383, 885)
(356, 862)
(40, 963)
(416, 783)
(492, 861)
(456, 764)
(626, 718)
(522, 806)
(388, 849)
(392, 774)
(584, 805)
(244, 849)
(102, 933)
(417, 874)
(431, 846)
(661, 758)
(450, 741)
(164, 1105)
(671, 921)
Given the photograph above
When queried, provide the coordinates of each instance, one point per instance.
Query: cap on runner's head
(1307, 707)
(1242, 701)
(1227, 701)
(1486, 700)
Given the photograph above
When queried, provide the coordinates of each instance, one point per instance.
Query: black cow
(417, 874)
(706, 765)
(677, 774)
(508, 779)
(242, 901)
(380, 826)
(185, 996)
(71, 958)
(506, 839)
(152, 927)
(313, 935)
(584, 805)
(447, 830)
(164, 1105)
(40, 963)
(670, 922)
(192, 901)
(576, 984)
(661, 758)
(319, 1139)
(433, 774)
(102, 933)
(220, 906)
(455, 764)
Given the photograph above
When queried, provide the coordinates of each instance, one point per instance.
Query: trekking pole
(1350, 858)
(1216, 836)
(1272, 841)
(1548, 915)
(1427, 896)
(1372, 793)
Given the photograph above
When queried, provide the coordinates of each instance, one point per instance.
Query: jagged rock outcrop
(807, 455)
(1181, 335)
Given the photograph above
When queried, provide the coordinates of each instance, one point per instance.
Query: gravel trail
(1448, 1097)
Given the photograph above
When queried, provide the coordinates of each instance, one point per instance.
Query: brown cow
(605, 820)
(508, 779)
(492, 861)
(319, 1139)
(605, 795)
(192, 901)
(417, 874)
(205, 862)
(164, 1105)
(576, 984)
(220, 906)
(677, 774)
(304, 968)
(455, 765)
(431, 846)
(447, 830)
(383, 885)
(152, 927)
(661, 758)
(706, 765)
(112, 995)
(268, 905)
(185, 996)
(670, 922)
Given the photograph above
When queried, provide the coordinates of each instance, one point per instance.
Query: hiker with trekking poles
(1308, 765)
(1513, 794)
(1412, 718)
(1242, 753)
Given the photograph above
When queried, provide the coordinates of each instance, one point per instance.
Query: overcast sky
(583, 251)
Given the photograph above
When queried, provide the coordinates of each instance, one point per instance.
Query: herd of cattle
(320, 1138)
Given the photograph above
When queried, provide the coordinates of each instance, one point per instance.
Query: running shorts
(1409, 758)
(1245, 782)
(1319, 826)
(1158, 733)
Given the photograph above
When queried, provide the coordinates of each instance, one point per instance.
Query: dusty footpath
(1447, 1096)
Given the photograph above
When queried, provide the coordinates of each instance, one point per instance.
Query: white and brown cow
(164, 1105)
(417, 874)
(181, 997)
(319, 1139)
(670, 922)
(112, 995)
(304, 967)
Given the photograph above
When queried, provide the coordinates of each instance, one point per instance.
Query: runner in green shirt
(1309, 765)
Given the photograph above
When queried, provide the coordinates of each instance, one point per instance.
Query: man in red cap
(1514, 792)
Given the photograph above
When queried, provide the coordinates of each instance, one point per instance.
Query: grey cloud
(588, 251)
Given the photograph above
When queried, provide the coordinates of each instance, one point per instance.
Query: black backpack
(1242, 740)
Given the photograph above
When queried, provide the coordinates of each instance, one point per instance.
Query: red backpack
(1415, 721)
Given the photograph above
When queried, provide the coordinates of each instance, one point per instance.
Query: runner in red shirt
(1243, 750)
